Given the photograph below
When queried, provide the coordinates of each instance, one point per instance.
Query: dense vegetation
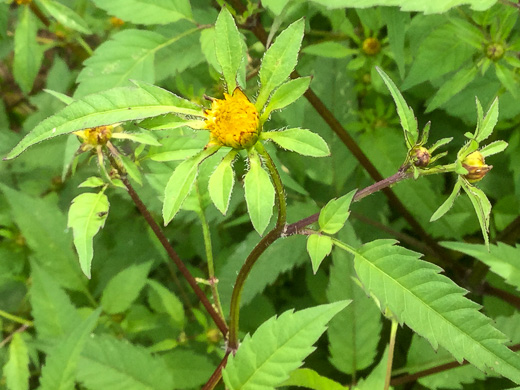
(321, 194)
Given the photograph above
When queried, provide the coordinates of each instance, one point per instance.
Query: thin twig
(8, 338)
(217, 374)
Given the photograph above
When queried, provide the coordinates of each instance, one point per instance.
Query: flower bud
(495, 51)
(95, 135)
(371, 46)
(420, 156)
(475, 165)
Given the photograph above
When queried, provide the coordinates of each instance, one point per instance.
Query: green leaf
(16, 370)
(481, 205)
(131, 169)
(453, 86)
(493, 148)
(105, 108)
(259, 193)
(310, 379)
(124, 288)
(180, 183)
(318, 247)
(433, 306)
(141, 137)
(354, 333)
(335, 213)
(301, 141)
(502, 259)
(53, 313)
(286, 94)
(488, 122)
(28, 54)
(278, 347)
(60, 96)
(65, 16)
(507, 78)
(87, 214)
(428, 7)
(405, 112)
(396, 23)
(163, 301)
(189, 369)
(279, 61)
(109, 363)
(144, 12)
(221, 182)
(228, 47)
(448, 203)
(59, 371)
(329, 49)
(376, 378)
(92, 182)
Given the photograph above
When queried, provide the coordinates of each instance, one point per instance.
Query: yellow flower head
(232, 121)
(96, 135)
(476, 167)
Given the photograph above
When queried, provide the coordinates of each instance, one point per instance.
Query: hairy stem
(257, 251)
(391, 347)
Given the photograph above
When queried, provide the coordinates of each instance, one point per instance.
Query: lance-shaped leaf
(493, 148)
(405, 112)
(180, 183)
(481, 205)
(277, 348)
(259, 192)
(502, 259)
(87, 214)
(66, 16)
(448, 203)
(286, 94)
(60, 367)
(228, 47)
(16, 370)
(318, 247)
(453, 86)
(433, 306)
(108, 107)
(279, 61)
(487, 123)
(142, 138)
(221, 183)
(301, 141)
(335, 213)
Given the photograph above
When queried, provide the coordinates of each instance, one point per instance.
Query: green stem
(257, 251)
(393, 333)
(14, 318)
(209, 254)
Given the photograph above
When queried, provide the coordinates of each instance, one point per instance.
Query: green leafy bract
(335, 213)
(318, 247)
(221, 182)
(301, 141)
(87, 215)
(405, 112)
(493, 148)
(259, 193)
(66, 16)
(286, 94)
(433, 306)
(279, 61)
(487, 124)
(228, 47)
(278, 347)
(105, 108)
(16, 370)
(453, 86)
(481, 205)
(448, 203)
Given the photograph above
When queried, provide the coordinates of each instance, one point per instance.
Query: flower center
(233, 121)
(95, 135)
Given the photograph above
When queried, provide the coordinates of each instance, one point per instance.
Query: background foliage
(135, 324)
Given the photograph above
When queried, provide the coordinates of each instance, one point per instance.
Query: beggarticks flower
(475, 165)
(371, 46)
(93, 137)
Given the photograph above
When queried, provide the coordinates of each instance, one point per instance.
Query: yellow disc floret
(96, 135)
(232, 121)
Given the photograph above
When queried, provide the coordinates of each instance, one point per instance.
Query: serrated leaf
(493, 148)
(189, 369)
(65, 16)
(166, 302)
(87, 215)
(180, 183)
(354, 333)
(105, 108)
(501, 258)
(92, 182)
(481, 205)
(286, 94)
(28, 54)
(433, 306)
(221, 182)
(59, 371)
(145, 12)
(318, 247)
(16, 370)
(279, 61)
(259, 193)
(310, 379)
(335, 213)
(124, 288)
(109, 363)
(452, 86)
(376, 378)
(488, 123)
(405, 112)
(278, 347)
(301, 141)
(228, 47)
(448, 203)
